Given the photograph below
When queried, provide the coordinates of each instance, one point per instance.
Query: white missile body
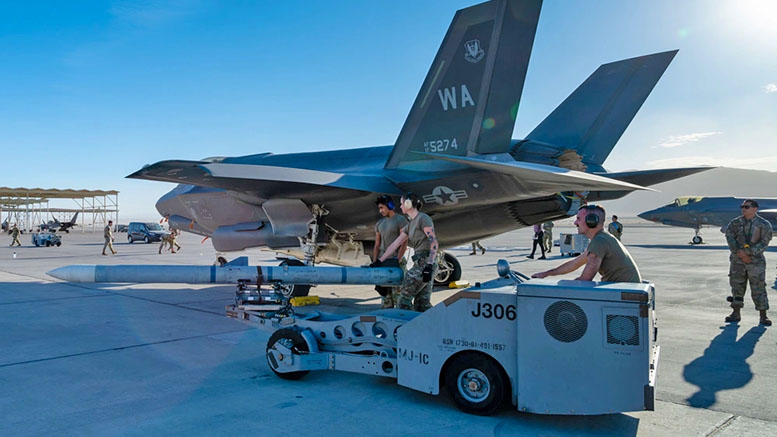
(228, 274)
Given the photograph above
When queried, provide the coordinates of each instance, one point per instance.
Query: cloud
(768, 163)
(681, 140)
(770, 88)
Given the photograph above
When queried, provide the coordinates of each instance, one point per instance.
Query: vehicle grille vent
(622, 330)
(565, 321)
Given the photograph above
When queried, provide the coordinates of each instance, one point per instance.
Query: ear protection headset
(411, 200)
(592, 220)
(385, 200)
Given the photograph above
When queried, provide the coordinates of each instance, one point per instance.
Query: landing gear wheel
(475, 383)
(448, 270)
(294, 290)
(697, 239)
(291, 339)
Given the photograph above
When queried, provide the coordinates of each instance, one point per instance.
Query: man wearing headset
(387, 229)
(415, 293)
(605, 254)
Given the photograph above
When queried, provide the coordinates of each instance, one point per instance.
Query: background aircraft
(454, 150)
(5, 226)
(696, 211)
(54, 225)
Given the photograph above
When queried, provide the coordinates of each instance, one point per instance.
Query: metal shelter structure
(29, 207)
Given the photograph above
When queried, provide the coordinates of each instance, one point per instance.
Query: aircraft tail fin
(469, 99)
(592, 119)
(73, 220)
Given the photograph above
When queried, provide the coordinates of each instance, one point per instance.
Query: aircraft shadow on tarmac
(723, 366)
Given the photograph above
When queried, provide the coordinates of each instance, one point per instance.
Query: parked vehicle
(47, 239)
(145, 232)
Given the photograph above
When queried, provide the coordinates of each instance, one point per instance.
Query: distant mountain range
(721, 181)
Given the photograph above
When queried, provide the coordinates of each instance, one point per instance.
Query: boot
(482, 250)
(734, 316)
(765, 320)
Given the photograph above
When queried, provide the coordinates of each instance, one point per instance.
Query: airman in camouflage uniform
(15, 234)
(748, 237)
(415, 293)
(615, 228)
(169, 239)
(174, 234)
(547, 236)
(108, 235)
(387, 230)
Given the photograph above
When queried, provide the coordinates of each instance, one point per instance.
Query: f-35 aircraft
(454, 150)
(697, 211)
(54, 225)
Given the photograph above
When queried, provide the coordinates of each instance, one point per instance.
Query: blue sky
(101, 88)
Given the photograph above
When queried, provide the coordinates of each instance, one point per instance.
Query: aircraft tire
(449, 270)
(297, 290)
(697, 239)
(292, 339)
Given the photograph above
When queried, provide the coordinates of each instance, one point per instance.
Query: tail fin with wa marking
(470, 97)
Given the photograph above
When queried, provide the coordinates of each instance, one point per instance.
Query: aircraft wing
(652, 177)
(544, 178)
(265, 180)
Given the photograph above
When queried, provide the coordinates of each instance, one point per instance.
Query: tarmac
(151, 359)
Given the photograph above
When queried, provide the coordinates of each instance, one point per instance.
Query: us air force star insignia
(445, 196)
(473, 52)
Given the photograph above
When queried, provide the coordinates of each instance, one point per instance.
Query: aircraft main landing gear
(696, 237)
(448, 269)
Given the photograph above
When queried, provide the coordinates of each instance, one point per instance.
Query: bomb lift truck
(547, 347)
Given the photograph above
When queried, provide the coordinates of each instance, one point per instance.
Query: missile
(229, 274)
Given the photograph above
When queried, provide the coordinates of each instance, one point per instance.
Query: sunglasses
(746, 206)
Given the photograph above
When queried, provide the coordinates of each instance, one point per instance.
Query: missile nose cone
(73, 273)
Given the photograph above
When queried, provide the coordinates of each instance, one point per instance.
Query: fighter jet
(54, 225)
(696, 211)
(454, 150)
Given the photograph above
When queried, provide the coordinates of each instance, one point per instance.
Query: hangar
(29, 207)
